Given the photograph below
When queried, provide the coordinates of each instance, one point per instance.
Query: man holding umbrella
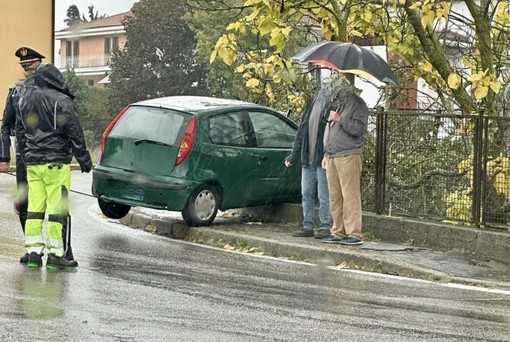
(343, 144)
(343, 138)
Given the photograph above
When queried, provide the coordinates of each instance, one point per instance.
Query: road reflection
(43, 293)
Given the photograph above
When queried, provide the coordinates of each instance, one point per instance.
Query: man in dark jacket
(8, 127)
(343, 148)
(50, 134)
(30, 60)
(308, 148)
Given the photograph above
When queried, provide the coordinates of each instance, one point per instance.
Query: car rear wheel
(202, 206)
(113, 210)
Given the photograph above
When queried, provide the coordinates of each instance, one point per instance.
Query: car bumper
(132, 189)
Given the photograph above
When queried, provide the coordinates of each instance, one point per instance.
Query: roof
(194, 103)
(113, 20)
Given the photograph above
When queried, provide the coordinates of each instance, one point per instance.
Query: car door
(274, 136)
(228, 158)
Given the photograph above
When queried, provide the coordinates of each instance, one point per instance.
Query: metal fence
(453, 168)
(429, 166)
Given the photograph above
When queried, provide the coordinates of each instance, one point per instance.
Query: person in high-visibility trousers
(30, 60)
(50, 134)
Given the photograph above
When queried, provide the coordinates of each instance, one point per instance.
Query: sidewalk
(274, 239)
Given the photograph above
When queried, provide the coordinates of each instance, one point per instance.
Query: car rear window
(156, 124)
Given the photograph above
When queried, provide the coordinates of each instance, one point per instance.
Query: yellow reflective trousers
(48, 189)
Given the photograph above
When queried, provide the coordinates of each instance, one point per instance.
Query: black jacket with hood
(8, 124)
(47, 127)
(300, 148)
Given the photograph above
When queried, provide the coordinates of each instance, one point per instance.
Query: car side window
(227, 129)
(271, 131)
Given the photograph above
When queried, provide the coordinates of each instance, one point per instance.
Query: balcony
(84, 65)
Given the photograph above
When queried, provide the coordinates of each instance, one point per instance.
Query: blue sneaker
(332, 239)
(351, 241)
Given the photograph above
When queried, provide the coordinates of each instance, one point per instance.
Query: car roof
(195, 103)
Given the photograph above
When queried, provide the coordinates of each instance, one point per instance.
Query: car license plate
(133, 193)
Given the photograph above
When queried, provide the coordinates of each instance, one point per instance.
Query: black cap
(27, 55)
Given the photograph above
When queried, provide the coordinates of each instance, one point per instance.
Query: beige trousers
(344, 177)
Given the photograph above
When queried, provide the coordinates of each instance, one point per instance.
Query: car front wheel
(202, 206)
(113, 210)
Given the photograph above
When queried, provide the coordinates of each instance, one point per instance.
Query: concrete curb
(327, 255)
(482, 243)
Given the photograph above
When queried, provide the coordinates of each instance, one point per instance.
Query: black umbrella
(347, 58)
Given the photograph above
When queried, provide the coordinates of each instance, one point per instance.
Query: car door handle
(262, 158)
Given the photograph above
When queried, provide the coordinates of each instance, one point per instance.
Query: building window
(90, 83)
(107, 46)
(107, 50)
(72, 54)
(110, 45)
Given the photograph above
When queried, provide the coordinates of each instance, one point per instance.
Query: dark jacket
(8, 124)
(48, 127)
(345, 138)
(301, 146)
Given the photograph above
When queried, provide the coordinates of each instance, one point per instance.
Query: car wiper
(139, 141)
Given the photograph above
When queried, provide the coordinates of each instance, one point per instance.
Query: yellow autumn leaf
(500, 183)
(213, 56)
(254, 15)
(252, 83)
(428, 18)
(415, 6)
(277, 40)
(268, 69)
(328, 34)
(495, 86)
(221, 43)
(238, 25)
(269, 92)
(228, 55)
(454, 81)
(266, 25)
(474, 78)
(277, 78)
(367, 16)
(468, 63)
(286, 31)
(427, 67)
(481, 92)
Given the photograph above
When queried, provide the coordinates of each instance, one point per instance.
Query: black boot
(54, 263)
(34, 260)
(69, 254)
(24, 259)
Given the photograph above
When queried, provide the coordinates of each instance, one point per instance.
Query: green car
(196, 155)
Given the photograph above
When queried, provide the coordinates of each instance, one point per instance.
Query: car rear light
(187, 141)
(110, 127)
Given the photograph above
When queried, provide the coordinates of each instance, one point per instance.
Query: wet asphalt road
(136, 286)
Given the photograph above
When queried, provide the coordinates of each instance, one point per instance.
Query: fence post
(477, 170)
(380, 160)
